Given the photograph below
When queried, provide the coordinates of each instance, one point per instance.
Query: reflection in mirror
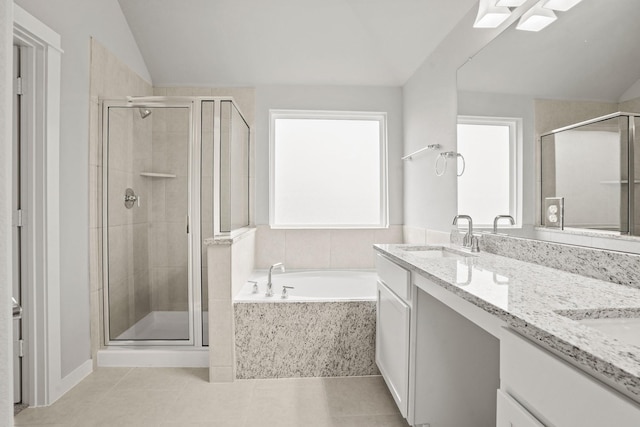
(484, 192)
(588, 166)
(583, 66)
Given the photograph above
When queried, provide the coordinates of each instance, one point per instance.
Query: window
(328, 169)
(492, 181)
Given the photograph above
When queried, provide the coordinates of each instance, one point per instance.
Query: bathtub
(316, 285)
(324, 328)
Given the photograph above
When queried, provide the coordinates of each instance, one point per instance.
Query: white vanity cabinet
(433, 359)
(392, 344)
(550, 390)
(509, 413)
(392, 329)
(452, 361)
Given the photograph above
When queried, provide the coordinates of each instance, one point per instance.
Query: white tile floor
(141, 397)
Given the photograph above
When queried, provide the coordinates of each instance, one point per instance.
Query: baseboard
(74, 378)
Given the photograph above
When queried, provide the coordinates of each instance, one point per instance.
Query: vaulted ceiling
(254, 42)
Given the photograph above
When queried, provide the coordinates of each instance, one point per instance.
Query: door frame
(194, 270)
(42, 382)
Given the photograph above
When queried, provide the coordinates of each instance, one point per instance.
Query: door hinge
(19, 88)
(20, 348)
(18, 218)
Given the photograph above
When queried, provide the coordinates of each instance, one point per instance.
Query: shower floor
(163, 325)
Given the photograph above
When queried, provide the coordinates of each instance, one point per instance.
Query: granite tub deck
(305, 339)
(532, 299)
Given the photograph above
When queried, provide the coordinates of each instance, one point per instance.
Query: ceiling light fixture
(490, 15)
(511, 3)
(536, 18)
(560, 5)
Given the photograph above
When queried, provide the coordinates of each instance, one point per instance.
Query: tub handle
(255, 286)
(285, 294)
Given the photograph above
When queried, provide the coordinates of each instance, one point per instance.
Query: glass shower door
(147, 241)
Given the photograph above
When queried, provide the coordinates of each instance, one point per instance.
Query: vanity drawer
(558, 393)
(394, 277)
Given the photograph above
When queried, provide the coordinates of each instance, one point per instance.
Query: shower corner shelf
(157, 175)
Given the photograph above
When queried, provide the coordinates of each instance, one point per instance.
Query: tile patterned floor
(183, 397)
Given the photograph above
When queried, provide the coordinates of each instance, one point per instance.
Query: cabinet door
(511, 414)
(392, 344)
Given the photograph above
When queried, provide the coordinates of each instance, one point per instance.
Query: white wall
(430, 111)
(631, 93)
(76, 21)
(6, 324)
(340, 98)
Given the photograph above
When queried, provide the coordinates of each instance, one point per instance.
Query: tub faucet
(469, 240)
(278, 265)
(497, 218)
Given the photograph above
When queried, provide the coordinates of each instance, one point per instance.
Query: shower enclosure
(594, 168)
(175, 171)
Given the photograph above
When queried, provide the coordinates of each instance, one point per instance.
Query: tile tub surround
(315, 339)
(230, 263)
(321, 248)
(612, 266)
(528, 297)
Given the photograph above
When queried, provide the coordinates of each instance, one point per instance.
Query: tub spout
(278, 265)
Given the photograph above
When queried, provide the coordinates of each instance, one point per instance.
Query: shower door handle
(17, 309)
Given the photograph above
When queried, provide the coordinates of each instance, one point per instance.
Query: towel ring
(445, 155)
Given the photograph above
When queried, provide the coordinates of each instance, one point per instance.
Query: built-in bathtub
(325, 327)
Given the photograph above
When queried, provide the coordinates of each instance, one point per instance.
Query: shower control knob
(130, 198)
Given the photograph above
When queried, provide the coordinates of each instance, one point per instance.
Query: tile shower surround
(305, 339)
(110, 78)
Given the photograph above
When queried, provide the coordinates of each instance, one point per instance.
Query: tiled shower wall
(168, 209)
(109, 78)
(245, 99)
(129, 291)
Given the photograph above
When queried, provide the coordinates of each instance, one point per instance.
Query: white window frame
(516, 137)
(381, 117)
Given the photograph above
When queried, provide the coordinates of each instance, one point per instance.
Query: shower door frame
(194, 239)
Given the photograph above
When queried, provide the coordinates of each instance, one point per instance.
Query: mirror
(584, 65)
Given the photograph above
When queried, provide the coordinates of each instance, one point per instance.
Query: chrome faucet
(278, 265)
(469, 240)
(497, 218)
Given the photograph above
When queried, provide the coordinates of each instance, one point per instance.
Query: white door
(17, 241)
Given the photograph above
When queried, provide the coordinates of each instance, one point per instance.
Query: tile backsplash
(306, 249)
(612, 266)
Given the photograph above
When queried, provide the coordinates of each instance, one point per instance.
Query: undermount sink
(624, 329)
(434, 252)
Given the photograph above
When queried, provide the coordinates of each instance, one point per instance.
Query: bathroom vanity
(481, 340)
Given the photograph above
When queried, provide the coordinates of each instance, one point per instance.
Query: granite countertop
(541, 303)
